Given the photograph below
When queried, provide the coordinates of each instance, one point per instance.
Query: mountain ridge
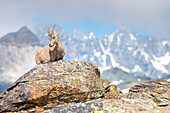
(132, 53)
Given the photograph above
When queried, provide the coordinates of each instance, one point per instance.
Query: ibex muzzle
(53, 52)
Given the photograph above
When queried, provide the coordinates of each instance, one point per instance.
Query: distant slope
(17, 55)
(121, 78)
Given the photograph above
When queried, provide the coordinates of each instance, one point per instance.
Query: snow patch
(160, 62)
(75, 59)
(129, 48)
(91, 36)
(142, 53)
(124, 69)
(116, 82)
(111, 38)
(121, 34)
(137, 68)
(96, 53)
(83, 44)
(107, 52)
(85, 56)
(103, 56)
(132, 36)
(164, 43)
(145, 45)
(118, 40)
(125, 90)
(104, 60)
(139, 79)
(113, 61)
(92, 59)
(85, 37)
(105, 68)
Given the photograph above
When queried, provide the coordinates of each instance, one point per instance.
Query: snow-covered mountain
(135, 54)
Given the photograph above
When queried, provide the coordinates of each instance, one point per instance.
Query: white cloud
(150, 15)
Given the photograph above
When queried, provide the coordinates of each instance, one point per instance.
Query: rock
(158, 91)
(138, 100)
(153, 95)
(97, 106)
(48, 85)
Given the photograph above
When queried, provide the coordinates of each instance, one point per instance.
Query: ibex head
(53, 37)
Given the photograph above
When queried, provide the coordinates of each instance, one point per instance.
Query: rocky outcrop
(148, 97)
(48, 85)
(152, 95)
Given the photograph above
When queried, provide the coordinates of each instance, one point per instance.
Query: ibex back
(55, 51)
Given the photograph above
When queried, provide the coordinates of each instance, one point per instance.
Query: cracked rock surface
(48, 85)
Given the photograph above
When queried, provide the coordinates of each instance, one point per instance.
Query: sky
(146, 17)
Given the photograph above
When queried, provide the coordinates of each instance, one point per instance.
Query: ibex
(55, 51)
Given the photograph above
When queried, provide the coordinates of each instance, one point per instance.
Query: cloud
(147, 15)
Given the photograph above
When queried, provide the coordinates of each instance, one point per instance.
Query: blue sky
(146, 17)
(98, 29)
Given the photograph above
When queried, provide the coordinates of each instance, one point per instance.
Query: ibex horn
(58, 33)
(53, 29)
(49, 32)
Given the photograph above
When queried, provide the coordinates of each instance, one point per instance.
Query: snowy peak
(144, 54)
(133, 53)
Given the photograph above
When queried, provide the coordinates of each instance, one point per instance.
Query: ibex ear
(58, 33)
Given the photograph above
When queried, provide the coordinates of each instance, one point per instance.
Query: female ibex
(53, 52)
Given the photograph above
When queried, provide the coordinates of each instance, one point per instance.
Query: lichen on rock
(48, 85)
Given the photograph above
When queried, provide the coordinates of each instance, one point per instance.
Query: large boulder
(48, 85)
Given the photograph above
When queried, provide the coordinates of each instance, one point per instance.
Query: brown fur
(50, 54)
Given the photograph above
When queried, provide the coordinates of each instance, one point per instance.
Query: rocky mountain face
(74, 86)
(23, 37)
(134, 54)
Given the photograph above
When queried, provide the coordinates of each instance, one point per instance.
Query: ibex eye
(53, 37)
